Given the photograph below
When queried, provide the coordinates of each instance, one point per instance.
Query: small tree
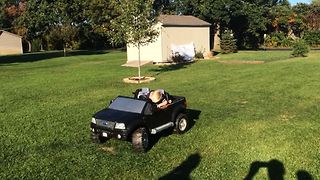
(134, 25)
(228, 43)
(69, 37)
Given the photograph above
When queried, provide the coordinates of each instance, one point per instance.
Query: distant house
(174, 31)
(10, 43)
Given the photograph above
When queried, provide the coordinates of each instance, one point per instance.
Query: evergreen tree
(228, 43)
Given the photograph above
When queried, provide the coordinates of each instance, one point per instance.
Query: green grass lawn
(267, 113)
(266, 56)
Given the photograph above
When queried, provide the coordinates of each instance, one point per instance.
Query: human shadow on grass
(193, 116)
(184, 170)
(32, 57)
(276, 170)
(303, 175)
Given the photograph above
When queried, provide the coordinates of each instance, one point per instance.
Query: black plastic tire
(140, 139)
(96, 138)
(181, 124)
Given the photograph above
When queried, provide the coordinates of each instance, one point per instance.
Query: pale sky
(294, 2)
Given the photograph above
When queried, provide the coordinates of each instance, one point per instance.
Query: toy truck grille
(106, 124)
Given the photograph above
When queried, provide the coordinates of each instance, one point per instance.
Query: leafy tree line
(58, 24)
(251, 20)
(83, 24)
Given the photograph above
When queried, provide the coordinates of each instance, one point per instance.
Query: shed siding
(185, 35)
(10, 44)
(149, 52)
(182, 32)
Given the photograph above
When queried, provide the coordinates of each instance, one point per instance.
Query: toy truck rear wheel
(140, 139)
(181, 123)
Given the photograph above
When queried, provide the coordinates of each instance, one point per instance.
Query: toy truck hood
(117, 116)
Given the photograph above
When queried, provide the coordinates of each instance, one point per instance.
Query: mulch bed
(135, 80)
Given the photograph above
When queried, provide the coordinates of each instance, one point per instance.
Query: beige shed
(173, 31)
(10, 43)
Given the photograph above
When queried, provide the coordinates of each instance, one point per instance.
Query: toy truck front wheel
(140, 139)
(97, 138)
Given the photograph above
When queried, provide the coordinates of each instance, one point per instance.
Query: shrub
(278, 39)
(177, 58)
(54, 39)
(300, 48)
(199, 55)
(228, 43)
(35, 45)
(312, 37)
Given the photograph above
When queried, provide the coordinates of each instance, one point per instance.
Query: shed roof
(182, 21)
(3, 31)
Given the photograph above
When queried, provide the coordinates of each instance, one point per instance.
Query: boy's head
(155, 96)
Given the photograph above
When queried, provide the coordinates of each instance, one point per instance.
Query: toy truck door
(159, 117)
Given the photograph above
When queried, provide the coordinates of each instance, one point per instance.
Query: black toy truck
(135, 119)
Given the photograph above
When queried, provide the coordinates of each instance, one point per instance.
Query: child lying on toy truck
(133, 118)
(159, 97)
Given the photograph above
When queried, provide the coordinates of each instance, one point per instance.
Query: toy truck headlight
(93, 120)
(120, 126)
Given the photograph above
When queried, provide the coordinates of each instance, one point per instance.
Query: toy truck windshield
(128, 105)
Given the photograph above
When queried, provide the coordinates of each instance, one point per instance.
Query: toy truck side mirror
(111, 101)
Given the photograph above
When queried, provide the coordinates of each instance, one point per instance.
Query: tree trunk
(41, 45)
(64, 51)
(139, 64)
(216, 44)
(30, 46)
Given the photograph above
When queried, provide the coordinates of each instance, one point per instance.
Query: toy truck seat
(142, 93)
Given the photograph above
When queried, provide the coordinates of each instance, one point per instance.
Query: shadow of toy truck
(134, 119)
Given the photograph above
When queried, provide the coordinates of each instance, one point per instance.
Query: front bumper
(109, 133)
